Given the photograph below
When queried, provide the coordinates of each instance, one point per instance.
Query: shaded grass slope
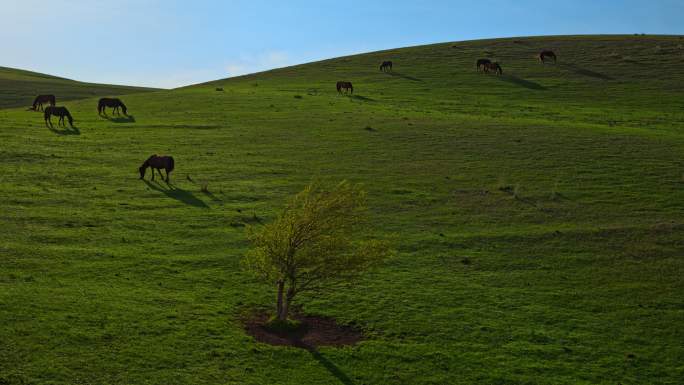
(18, 88)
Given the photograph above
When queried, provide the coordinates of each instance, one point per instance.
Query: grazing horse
(544, 55)
(386, 66)
(112, 103)
(40, 99)
(62, 112)
(493, 67)
(481, 63)
(156, 162)
(346, 86)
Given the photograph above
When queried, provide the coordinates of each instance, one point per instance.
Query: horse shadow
(211, 196)
(176, 193)
(65, 131)
(400, 75)
(361, 98)
(521, 82)
(583, 71)
(120, 119)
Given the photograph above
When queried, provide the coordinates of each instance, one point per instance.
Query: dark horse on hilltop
(494, 67)
(62, 112)
(481, 63)
(156, 162)
(547, 55)
(43, 99)
(112, 103)
(386, 66)
(346, 86)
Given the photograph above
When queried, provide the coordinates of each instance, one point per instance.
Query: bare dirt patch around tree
(313, 331)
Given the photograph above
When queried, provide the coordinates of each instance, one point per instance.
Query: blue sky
(171, 43)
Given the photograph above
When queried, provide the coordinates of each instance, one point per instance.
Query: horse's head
(124, 109)
(142, 170)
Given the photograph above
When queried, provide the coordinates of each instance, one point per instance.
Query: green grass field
(561, 185)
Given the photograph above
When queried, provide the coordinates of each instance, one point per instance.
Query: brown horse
(346, 86)
(158, 163)
(62, 112)
(547, 55)
(493, 67)
(112, 103)
(481, 63)
(386, 66)
(40, 99)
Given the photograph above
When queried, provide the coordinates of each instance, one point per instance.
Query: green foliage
(310, 246)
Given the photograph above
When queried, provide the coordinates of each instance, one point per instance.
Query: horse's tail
(171, 165)
(35, 102)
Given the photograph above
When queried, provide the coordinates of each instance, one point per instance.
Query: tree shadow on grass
(331, 367)
(65, 131)
(521, 82)
(583, 71)
(400, 75)
(176, 193)
(120, 119)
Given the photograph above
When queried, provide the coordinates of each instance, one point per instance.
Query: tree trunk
(279, 303)
(284, 310)
(288, 300)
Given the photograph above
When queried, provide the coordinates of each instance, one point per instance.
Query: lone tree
(310, 245)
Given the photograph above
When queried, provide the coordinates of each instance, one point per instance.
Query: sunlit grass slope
(18, 88)
(538, 219)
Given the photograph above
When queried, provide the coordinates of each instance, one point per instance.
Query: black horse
(112, 103)
(41, 99)
(346, 86)
(547, 55)
(156, 162)
(386, 66)
(482, 63)
(62, 112)
(495, 67)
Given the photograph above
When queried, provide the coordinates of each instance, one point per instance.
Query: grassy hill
(538, 219)
(18, 88)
